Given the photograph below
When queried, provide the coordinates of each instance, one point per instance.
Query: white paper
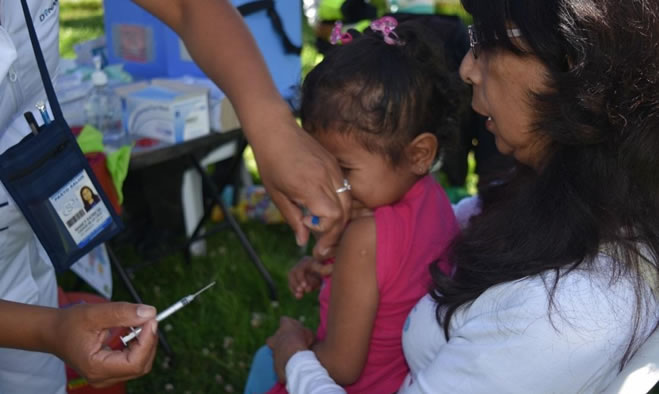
(94, 268)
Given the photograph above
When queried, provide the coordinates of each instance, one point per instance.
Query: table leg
(215, 194)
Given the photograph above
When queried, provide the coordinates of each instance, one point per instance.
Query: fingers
(112, 366)
(330, 224)
(296, 281)
(292, 328)
(144, 350)
(329, 208)
(321, 269)
(309, 336)
(84, 329)
(290, 338)
(327, 223)
(313, 275)
(293, 215)
(297, 278)
(298, 331)
(121, 314)
(306, 276)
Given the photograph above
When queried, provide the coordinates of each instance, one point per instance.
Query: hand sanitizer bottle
(103, 109)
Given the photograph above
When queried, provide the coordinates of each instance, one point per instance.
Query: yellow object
(216, 214)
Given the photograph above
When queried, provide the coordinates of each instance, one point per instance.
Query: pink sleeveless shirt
(410, 235)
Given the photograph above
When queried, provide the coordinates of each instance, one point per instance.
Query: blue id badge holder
(51, 182)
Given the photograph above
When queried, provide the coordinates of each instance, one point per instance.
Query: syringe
(164, 314)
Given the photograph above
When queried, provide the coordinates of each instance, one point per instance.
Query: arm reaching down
(295, 169)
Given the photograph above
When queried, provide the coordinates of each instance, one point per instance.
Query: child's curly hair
(385, 95)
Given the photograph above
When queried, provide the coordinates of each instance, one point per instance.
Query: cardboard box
(165, 110)
(150, 49)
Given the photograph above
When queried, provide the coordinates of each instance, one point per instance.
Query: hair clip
(337, 36)
(386, 26)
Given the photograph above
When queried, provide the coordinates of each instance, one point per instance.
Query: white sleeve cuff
(465, 209)
(305, 375)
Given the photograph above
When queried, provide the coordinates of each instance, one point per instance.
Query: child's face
(375, 181)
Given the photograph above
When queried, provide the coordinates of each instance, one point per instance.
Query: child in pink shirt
(382, 105)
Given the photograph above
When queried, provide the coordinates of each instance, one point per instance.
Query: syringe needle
(204, 289)
(166, 313)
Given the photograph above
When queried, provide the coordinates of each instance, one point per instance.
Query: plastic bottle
(103, 109)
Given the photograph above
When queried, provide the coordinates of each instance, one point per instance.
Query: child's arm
(353, 304)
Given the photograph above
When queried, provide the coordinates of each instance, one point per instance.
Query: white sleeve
(506, 341)
(305, 375)
(465, 209)
(508, 344)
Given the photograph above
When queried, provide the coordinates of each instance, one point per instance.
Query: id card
(81, 209)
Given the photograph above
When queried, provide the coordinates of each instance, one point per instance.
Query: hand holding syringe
(164, 314)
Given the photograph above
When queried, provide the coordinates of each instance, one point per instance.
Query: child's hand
(306, 276)
(290, 338)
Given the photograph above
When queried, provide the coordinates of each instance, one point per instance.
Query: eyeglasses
(473, 38)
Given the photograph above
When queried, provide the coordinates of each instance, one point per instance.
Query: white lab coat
(26, 274)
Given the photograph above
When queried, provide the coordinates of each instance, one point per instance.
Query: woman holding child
(553, 279)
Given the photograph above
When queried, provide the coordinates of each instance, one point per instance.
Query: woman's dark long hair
(599, 184)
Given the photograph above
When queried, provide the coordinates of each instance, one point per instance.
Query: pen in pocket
(31, 122)
(41, 106)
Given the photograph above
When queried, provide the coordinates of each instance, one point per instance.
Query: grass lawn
(80, 20)
(215, 337)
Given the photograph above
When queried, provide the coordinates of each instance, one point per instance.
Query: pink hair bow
(386, 26)
(337, 36)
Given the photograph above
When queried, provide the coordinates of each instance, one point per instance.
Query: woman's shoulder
(521, 336)
(586, 305)
(593, 282)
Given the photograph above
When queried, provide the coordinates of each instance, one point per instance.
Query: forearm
(220, 43)
(295, 169)
(26, 327)
(342, 371)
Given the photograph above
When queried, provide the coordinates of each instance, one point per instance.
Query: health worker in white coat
(26, 273)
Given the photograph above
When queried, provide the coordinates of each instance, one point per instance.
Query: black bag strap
(43, 70)
(269, 5)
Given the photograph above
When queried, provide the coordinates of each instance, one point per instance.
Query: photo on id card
(81, 209)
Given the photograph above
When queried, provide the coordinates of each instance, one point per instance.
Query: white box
(165, 110)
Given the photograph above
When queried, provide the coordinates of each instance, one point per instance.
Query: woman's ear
(421, 153)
